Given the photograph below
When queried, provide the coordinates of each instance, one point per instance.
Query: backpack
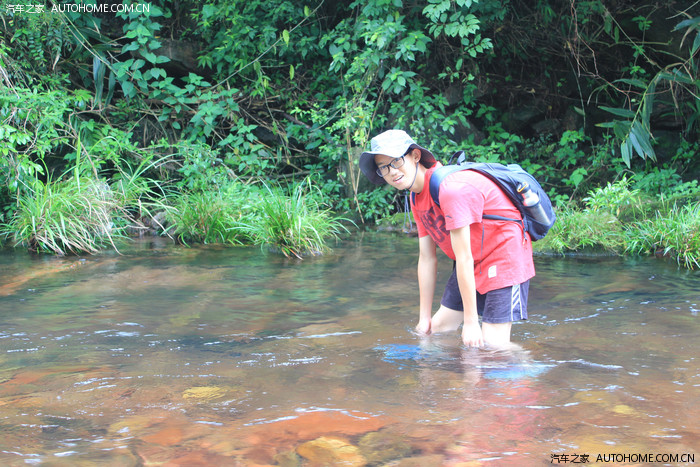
(513, 180)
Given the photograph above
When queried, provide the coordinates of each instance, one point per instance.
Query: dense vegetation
(241, 121)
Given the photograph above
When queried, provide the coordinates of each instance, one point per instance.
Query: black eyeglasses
(383, 170)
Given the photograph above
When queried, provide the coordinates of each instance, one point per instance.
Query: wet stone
(168, 436)
(312, 425)
(380, 446)
(433, 460)
(287, 459)
(204, 393)
(325, 451)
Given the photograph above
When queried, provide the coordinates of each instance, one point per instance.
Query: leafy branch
(633, 129)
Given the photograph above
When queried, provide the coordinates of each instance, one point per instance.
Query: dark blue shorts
(497, 306)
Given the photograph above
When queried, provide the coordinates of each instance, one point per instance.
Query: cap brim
(369, 167)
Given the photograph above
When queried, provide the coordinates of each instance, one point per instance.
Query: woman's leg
(446, 319)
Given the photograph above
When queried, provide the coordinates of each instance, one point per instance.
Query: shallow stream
(233, 356)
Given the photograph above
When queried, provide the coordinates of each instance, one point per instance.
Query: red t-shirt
(502, 251)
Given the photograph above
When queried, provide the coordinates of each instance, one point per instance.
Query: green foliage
(675, 234)
(662, 181)
(378, 76)
(597, 226)
(38, 127)
(143, 198)
(577, 230)
(206, 217)
(83, 213)
(142, 28)
(201, 168)
(186, 101)
(32, 45)
(295, 224)
(66, 216)
(633, 128)
(613, 198)
(666, 181)
(601, 226)
(379, 203)
(455, 19)
(570, 155)
(34, 124)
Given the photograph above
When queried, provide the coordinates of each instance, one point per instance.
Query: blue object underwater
(401, 352)
(405, 353)
(515, 371)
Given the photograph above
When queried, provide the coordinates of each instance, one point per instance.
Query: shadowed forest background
(242, 121)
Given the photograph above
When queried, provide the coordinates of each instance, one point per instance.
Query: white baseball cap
(392, 143)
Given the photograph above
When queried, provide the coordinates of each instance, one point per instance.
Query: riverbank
(85, 215)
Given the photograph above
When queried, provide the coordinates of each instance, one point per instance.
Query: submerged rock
(379, 447)
(204, 393)
(325, 451)
(287, 459)
(433, 460)
(312, 425)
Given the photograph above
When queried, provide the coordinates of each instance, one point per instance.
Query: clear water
(234, 356)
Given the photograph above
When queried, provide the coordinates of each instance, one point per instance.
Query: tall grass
(82, 214)
(296, 224)
(619, 220)
(208, 217)
(675, 233)
(75, 215)
(141, 198)
(587, 230)
(79, 213)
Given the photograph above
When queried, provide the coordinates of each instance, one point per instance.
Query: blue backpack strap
(442, 172)
(509, 178)
(438, 176)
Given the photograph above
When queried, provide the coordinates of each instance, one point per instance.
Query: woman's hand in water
(472, 335)
(423, 327)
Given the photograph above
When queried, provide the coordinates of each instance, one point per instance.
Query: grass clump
(617, 219)
(675, 233)
(583, 230)
(83, 212)
(615, 198)
(75, 215)
(209, 217)
(295, 224)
